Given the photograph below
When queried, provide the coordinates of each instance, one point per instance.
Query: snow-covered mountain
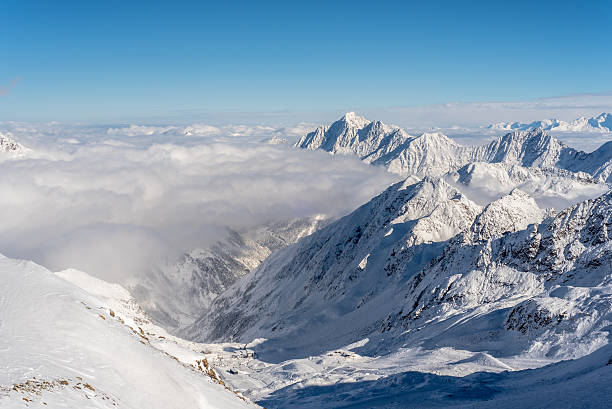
(551, 188)
(423, 265)
(600, 123)
(327, 277)
(176, 294)
(62, 346)
(379, 144)
(544, 290)
(9, 147)
(434, 154)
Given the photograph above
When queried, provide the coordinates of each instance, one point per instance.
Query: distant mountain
(434, 154)
(600, 123)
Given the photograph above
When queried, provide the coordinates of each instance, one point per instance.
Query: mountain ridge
(435, 154)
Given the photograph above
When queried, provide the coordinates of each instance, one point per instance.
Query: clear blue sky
(102, 60)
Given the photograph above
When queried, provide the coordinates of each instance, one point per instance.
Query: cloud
(204, 130)
(140, 130)
(116, 209)
(6, 90)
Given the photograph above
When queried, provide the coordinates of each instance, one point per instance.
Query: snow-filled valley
(362, 267)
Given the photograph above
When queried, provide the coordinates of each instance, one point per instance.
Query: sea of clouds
(114, 201)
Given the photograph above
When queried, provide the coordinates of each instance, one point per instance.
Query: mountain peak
(11, 146)
(355, 120)
(510, 213)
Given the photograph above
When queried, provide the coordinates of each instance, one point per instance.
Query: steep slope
(341, 276)
(62, 347)
(174, 295)
(511, 283)
(597, 163)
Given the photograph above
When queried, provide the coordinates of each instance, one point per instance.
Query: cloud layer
(115, 206)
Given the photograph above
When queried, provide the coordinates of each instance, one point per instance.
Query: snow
(63, 346)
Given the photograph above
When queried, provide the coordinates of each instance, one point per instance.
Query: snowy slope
(518, 287)
(370, 272)
(582, 383)
(63, 347)
(544, 290)
(328, 276)
(600, 123)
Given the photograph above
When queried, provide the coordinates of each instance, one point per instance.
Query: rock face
(176, 294)
(434, 154)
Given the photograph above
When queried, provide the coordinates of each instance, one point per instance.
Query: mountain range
(482, 279)
(434, 154)
(600, 123)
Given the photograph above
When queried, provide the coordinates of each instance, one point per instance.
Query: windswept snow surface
(63, 347)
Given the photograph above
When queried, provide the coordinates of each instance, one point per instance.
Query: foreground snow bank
(62, 346)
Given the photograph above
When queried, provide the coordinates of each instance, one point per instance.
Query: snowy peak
(530, 148)
(510, 213)
(354, 120)
(600, 123)
(11, 147)
(355, 135)
(435, 154)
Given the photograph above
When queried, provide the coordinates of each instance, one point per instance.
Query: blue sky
(115, 60)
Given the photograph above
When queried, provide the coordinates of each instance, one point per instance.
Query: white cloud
(140, 130)
(114, 207)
